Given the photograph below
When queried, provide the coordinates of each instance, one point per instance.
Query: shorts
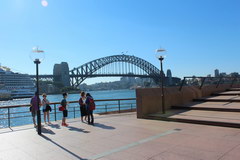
(65, 113)
(34, 113)
(44, 110)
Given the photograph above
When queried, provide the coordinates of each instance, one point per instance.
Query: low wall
(149, 99)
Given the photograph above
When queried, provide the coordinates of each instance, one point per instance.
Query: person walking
(46, 108)
(90, 107)
(64, 104)
(82, 103)
(35, 105)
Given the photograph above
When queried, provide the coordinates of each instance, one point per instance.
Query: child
(64, 103)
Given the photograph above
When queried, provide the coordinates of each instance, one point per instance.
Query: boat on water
(16, 84)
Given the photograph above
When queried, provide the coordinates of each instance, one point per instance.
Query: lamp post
(37, 56)
(161, 58)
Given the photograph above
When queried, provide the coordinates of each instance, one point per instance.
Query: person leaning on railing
(34, 107)
(90, 107)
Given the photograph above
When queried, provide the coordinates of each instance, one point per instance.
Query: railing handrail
(97, 100)
(204, 78)
(116, 105)
(211, 77)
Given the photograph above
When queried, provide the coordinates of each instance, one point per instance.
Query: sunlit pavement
(121, 137)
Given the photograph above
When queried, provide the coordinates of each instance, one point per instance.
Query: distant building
(169, 77)
(61, 73)
(234, 74)
(169, 73)
(223, 74)
(216, 71)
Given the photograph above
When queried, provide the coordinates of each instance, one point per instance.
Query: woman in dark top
(64, 103)
(83, 106)
(90, 100)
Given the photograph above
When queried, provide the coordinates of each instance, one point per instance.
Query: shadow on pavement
(57, 126)
(48, 131)
(103, 126)
(71, 128)
(73, 154)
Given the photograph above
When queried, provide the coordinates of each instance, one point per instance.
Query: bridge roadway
(119, 137)
(93, 75)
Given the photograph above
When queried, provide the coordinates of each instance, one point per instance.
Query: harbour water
(98, 95)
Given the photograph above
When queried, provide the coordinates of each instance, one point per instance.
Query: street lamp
(161, 58)
(37, 56)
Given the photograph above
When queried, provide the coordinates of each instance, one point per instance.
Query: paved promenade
(121, 137)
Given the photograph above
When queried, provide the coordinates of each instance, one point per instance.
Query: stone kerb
(149, 99)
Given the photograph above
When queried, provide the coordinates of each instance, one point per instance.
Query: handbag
(48, 108)
(61, 108)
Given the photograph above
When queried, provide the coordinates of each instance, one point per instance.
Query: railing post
(55, 112)
(74, 112)
(105, 108)
(233, 82)
(119, 108)
(202, 83)
(220, 79)
(182, 84)
(9, 125)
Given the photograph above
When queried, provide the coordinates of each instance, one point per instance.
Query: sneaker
(66, 124)
(62, 124)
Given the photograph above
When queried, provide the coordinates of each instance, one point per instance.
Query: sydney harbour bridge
(110, 66)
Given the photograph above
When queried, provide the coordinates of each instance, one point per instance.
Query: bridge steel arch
(79, 74)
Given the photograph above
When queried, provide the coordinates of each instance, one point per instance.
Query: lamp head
(160, 56)
(37, 55)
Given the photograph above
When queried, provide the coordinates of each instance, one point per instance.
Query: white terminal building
(16, 84)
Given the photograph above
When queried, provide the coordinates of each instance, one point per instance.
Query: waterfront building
(16, 84)
(61, 73)
(216, 71)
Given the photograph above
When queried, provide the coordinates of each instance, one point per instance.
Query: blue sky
(199, 35)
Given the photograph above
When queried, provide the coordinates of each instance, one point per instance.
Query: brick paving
(121, 137)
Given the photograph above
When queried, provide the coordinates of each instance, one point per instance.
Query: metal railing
(201, 81)
(9, 114)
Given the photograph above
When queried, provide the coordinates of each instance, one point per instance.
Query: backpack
(92, 105)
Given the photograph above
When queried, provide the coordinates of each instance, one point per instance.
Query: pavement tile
(124, 156)
(196, 153)
(210, 144)
(229, 157)
(14, 154)
(149, 149)
(81, 141)
(173, 156)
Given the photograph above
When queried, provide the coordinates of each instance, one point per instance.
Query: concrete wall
(149, 99)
